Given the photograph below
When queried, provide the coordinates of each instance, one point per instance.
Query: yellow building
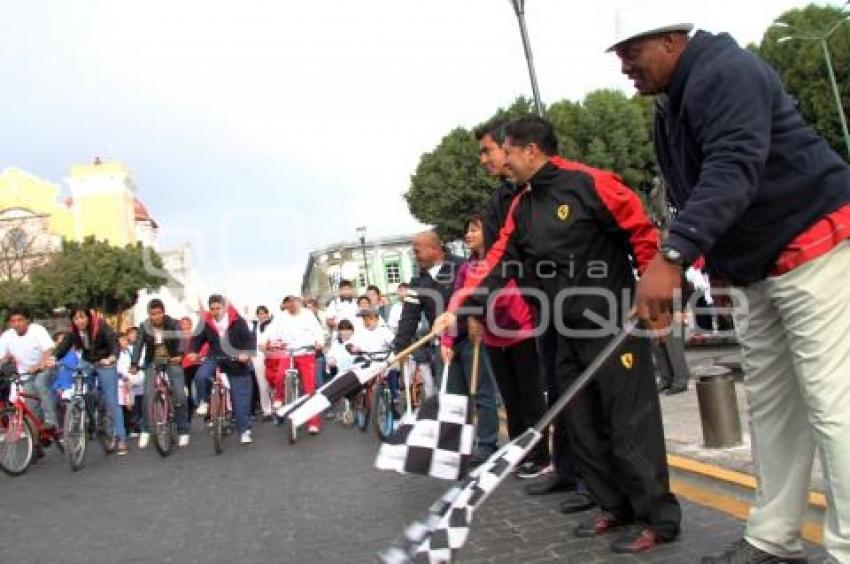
(35, 217)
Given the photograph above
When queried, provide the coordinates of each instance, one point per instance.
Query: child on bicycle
(161, 339)
(375, 336)
(98, 348)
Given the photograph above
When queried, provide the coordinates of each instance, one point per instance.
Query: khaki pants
(795, 338)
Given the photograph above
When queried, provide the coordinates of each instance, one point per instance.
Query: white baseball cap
(647, 17)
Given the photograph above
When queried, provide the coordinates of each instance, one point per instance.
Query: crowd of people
(562, 256)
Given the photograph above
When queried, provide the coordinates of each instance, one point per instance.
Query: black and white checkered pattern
(446, 528)
(307, 407)
(436, 442)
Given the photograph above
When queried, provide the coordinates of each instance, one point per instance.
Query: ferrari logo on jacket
(628, 360)
(563, 212)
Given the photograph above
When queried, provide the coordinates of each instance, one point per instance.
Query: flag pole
(474, 330)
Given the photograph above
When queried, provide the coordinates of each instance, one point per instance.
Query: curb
(738, 508)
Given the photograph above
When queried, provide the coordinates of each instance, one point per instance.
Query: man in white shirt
(296, 328)
(395, 310)
(342, 307)
(29, 346)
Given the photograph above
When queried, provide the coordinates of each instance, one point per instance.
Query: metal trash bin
(718, 407)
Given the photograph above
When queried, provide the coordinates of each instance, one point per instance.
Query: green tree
(96, 274)
(449, 184)
(802, 66)
(607, 130)
(612, 134)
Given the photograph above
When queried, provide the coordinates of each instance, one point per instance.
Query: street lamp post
(361, 234)
(823, 38)
(519, 10)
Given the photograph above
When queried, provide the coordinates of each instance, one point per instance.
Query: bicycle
(87, 418)
(221, 410)
(383, 407)
(22, 433)
(292, 388)
(161, 414)
(373, 396)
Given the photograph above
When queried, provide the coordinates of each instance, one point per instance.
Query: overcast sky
(260, 130)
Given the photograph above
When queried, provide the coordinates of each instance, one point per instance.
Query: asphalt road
(317, 501)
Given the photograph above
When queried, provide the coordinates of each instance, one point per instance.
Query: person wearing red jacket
(574, 235)
(511, 350)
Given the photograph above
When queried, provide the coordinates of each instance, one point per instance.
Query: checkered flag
(436, 442)
(309, 406)
(446, 528)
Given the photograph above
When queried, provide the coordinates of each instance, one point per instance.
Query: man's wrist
(672, 255)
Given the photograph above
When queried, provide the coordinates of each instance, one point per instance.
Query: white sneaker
(245, 438)
(313, 430)
(277, 405)
(203, 408)
(144, 439)
(183, 441)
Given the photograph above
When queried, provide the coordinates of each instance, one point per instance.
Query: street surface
(318, 501)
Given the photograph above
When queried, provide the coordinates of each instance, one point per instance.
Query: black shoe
(600, 524)
(743, 552)
(576, 502)
(637, 540)
(662, 385)
(673, 390)
(528, 470)
(550, 484)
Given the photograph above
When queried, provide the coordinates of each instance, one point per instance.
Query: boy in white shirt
(373, 336)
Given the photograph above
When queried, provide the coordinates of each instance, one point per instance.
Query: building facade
(388, 262)
(35, 216)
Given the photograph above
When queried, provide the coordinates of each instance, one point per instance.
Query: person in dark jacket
(428, 295)
(566, 478)
(99, 350)
(231, 347)
(766, 201)
(573, 233)
(161, 337)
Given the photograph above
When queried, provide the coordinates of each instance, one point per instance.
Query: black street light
(361, 234)
(519, 10)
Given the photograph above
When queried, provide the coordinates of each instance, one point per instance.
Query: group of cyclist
(253, 356)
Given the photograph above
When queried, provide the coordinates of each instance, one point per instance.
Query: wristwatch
(672, 255)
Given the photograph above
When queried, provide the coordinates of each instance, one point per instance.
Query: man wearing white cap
(766, 201)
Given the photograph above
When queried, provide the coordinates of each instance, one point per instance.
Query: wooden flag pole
(475, 331)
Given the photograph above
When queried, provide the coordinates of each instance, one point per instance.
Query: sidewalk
(683, 428)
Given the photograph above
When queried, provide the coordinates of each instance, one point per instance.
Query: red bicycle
(22, 433)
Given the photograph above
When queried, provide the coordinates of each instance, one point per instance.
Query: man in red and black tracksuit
(575, 234)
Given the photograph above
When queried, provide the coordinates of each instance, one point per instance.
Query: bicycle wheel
(105, 427)
(17, 444)
(382, 410)
(163, 439)
(74, 431)
(361, 410)
(217, 418)
(290, 395)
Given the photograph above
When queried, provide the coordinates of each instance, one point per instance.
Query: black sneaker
(743, 552)
(528, 470)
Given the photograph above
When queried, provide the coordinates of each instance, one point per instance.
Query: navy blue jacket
(238, 339)
(745, 171)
